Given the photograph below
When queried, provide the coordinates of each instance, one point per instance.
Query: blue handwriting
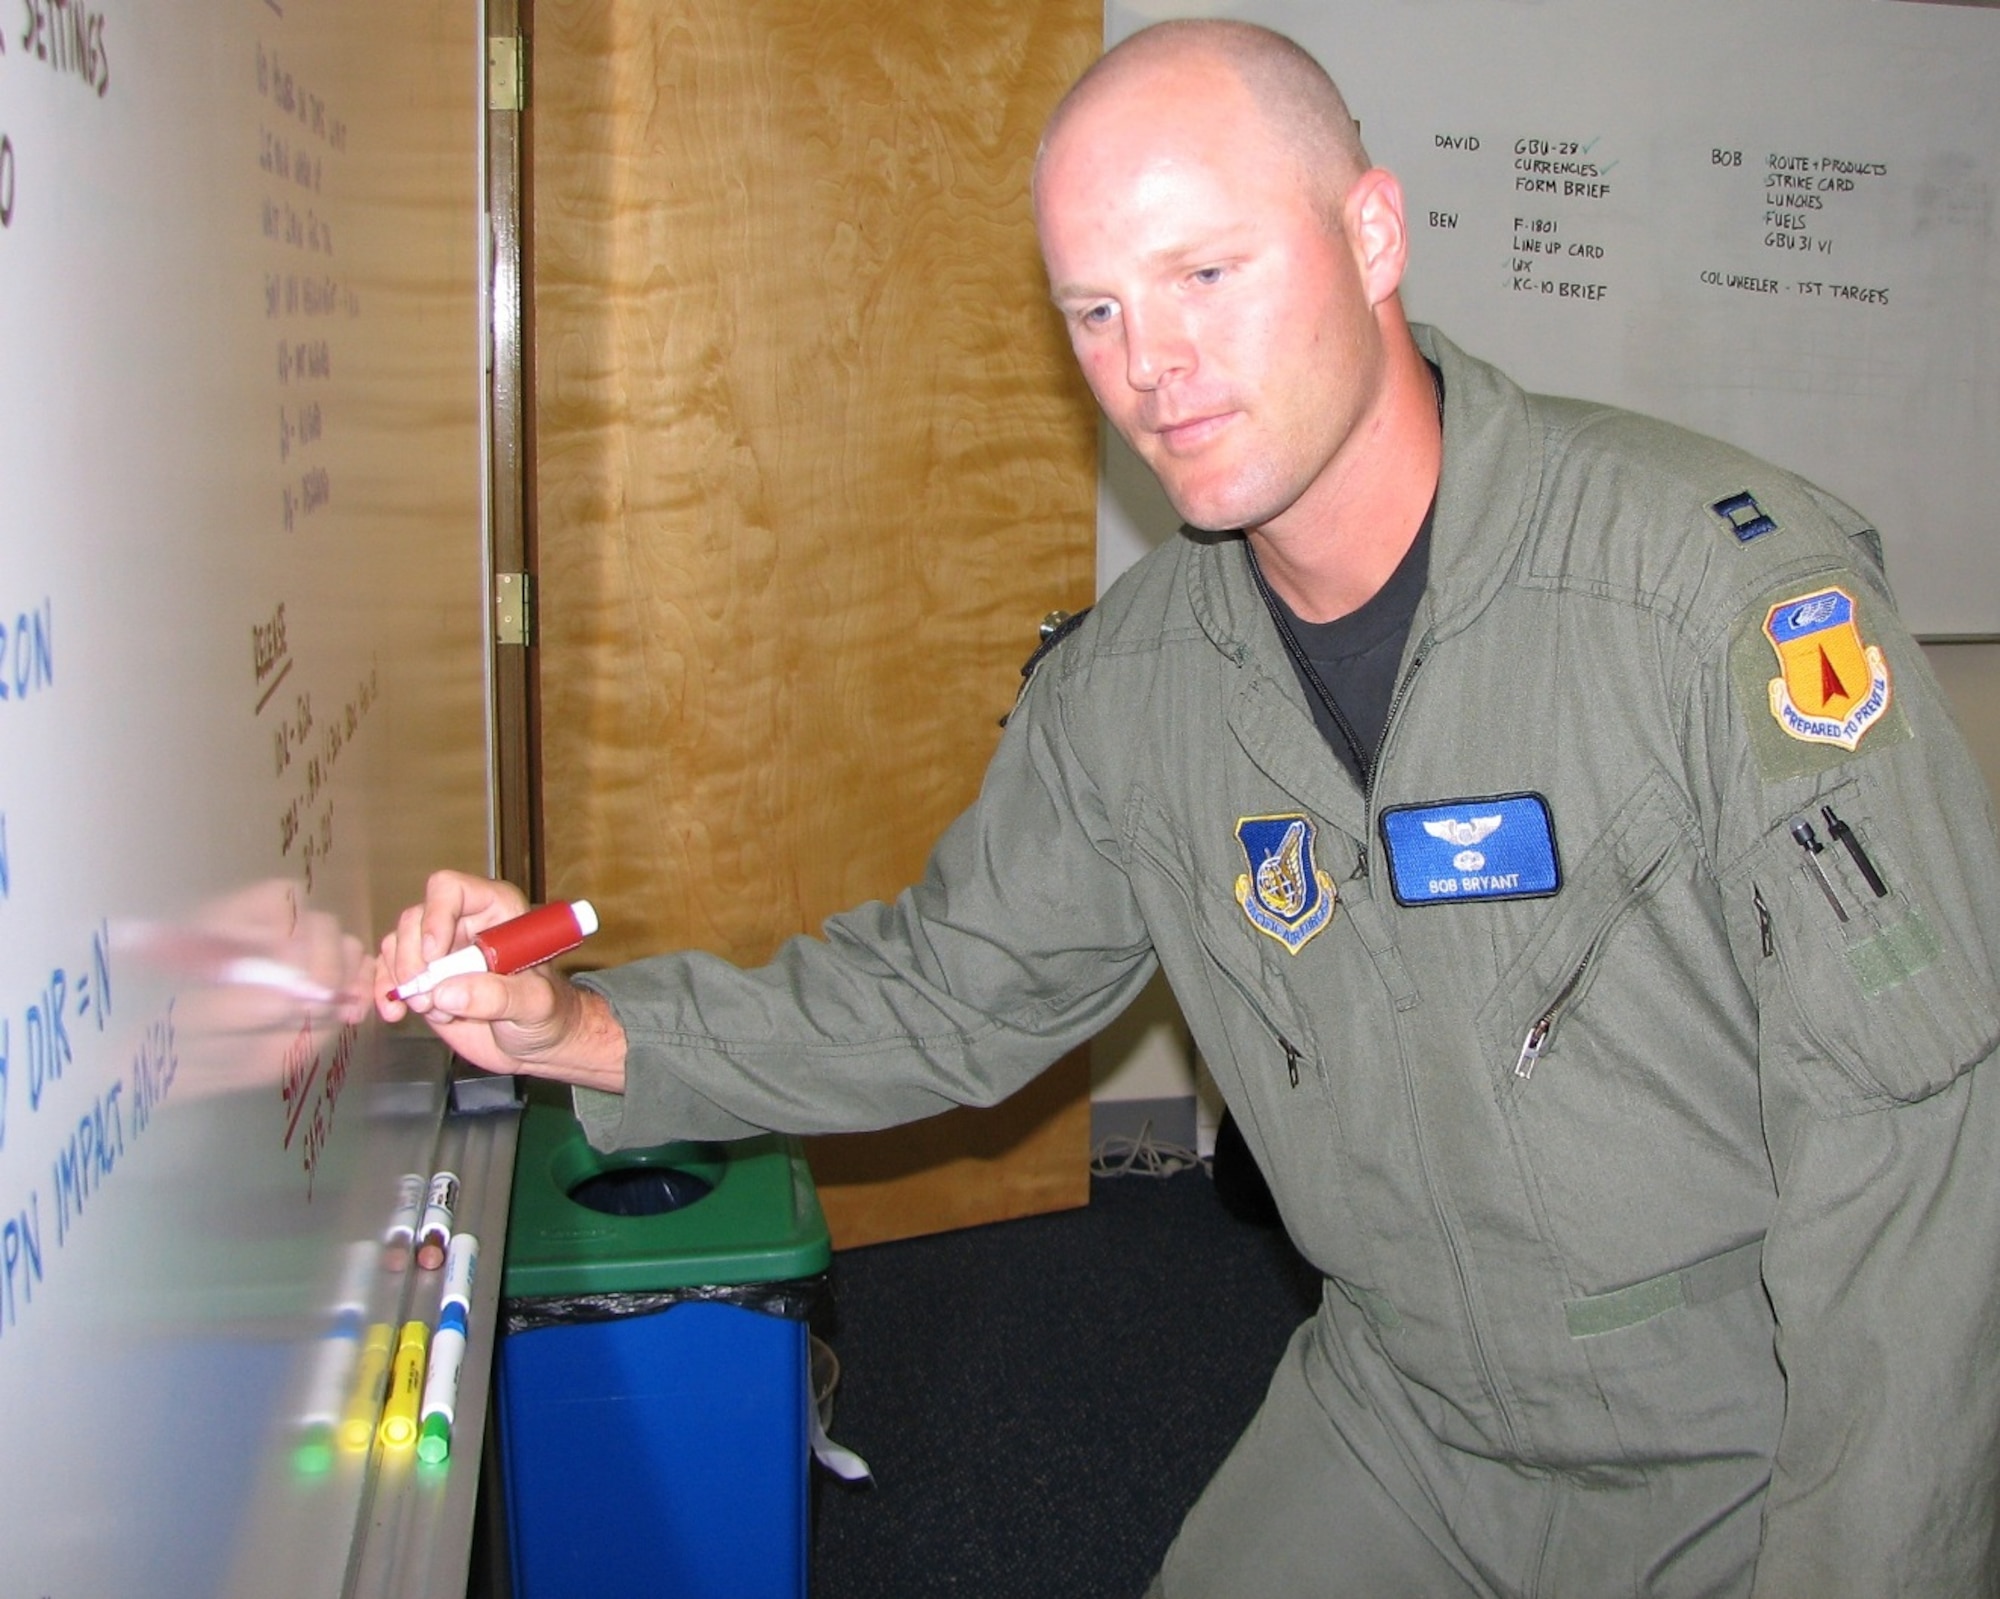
(88, 1158)
(28, 652)
(84, 998)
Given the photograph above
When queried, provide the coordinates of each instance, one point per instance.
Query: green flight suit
(1656, 1197)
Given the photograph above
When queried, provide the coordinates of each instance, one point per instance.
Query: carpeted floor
(1042, 1400)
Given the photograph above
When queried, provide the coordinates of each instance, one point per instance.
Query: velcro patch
(1472, 849)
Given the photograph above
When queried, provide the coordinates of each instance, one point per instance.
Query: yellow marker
(364, 1402)
(406, 1387)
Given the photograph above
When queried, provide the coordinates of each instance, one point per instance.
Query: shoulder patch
(1833, 688)
(1744, 517)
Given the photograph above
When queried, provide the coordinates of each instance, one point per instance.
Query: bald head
(1286, 89)
(1227, 264)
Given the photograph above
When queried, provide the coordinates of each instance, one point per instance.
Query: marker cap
(434, 1442)
(314, 1456)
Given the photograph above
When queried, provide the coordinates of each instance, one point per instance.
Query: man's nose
(1158, 348)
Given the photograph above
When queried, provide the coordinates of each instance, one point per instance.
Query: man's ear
(1373, 214)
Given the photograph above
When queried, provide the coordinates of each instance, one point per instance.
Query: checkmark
(1592, 145)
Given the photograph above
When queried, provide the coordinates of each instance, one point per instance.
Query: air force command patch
(1284, 894)
(1452, 851)
(1832, 687)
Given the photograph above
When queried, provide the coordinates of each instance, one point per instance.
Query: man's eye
(1207, 275)
(1096, 316)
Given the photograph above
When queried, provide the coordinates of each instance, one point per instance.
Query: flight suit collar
(1487, 491)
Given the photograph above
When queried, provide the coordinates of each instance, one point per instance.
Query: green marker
(314, 1455)
(447, 1351)
(434, 1442)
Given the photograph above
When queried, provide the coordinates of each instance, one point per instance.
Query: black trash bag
(794, 1299)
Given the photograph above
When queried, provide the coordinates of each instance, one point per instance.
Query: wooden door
(811, 462)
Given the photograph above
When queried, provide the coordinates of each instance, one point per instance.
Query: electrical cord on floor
(824, 1367)
(824, 1374)
(1144, 1156)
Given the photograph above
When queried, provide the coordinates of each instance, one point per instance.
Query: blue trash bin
(654, 1384)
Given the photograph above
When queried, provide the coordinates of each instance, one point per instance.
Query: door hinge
(513, 608)
(507, 73)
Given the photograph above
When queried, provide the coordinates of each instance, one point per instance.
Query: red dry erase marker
(542, 934)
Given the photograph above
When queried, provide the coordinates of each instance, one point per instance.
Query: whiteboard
(1772, 222)
(242, 711)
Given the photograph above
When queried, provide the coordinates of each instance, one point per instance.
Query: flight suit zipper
(1251, 997)
(1538, 1035)
(1396, 699)
(1482, 1357)
(1537, 1040)
(1382, 748)
(1293, 1055)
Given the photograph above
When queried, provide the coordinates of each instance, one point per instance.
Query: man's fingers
(457, 906)
(523, 1004)
(482, 998)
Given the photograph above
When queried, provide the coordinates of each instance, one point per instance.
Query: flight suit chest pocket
(1251, 955)
(1874, 981)
(1551, 977)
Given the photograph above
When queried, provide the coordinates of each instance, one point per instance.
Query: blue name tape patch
(1472, 849)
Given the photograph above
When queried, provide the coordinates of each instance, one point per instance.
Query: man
(1563, 860)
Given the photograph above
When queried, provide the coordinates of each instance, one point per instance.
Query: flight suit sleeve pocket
(1888, 999)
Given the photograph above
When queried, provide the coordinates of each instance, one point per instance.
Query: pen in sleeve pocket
(1808, 840)
(1845, 837)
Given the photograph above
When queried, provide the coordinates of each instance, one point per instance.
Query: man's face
(1219, 315)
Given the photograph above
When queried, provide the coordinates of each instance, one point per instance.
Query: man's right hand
(534, 1022)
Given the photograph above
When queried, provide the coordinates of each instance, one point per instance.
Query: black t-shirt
(1357, 655)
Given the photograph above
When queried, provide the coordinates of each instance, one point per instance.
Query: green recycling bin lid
(755, 1217)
